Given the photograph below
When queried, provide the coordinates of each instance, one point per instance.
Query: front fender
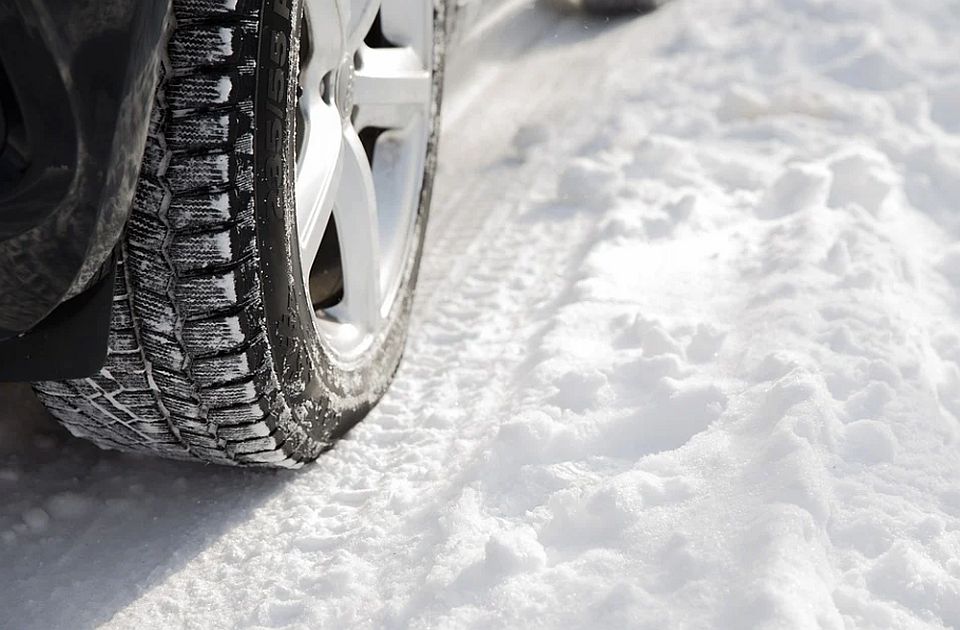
(77, 79)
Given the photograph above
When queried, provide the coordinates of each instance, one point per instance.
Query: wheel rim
(366, 91)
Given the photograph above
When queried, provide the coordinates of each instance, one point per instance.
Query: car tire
(218, 352)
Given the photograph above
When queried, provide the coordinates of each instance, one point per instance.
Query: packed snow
(686, 355)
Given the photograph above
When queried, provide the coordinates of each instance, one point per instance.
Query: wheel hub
(343, 88)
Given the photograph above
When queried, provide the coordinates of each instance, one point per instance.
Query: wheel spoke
(328, 41)
(355, 211)
(362, 14)
(391, 76)
(390, 87)
(319, 171)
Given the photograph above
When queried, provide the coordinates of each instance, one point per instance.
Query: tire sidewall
(321, 391)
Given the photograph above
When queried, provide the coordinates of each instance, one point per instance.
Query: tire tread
(188, 373)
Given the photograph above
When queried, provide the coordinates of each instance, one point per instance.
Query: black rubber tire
(213, 354)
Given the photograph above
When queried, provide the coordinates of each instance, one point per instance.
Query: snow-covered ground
(686, 355)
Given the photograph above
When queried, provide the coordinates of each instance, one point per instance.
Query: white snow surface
(686, 355)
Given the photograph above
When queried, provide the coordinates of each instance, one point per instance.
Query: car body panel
(79, 78)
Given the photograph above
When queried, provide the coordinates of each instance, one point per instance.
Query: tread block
(201, 440)
(173, 383)
(243, 392)
(209, 170)
(206, 9)
(256, 445)
(209, 209)
(212, 371)
(220, 369)
(198, 252)
(162, 350)
(182, 408)
(127, 380)
(198, 426)
(210, 89)
(146, 231)
(122, 341)
(133, 398)
(131, 363)
(204, 336)
(245, 431)
(205, 130)
(151, 272)
(149, 197)
(240, 415)
(200, 296)
(120, 311)
(155, 308)
(244, 146)
(149, 412)
(196, 45)
(154, 158)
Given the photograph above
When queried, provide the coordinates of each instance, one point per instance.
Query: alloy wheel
(366, 90)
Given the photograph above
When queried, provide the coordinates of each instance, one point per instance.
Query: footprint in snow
(589, 184)
(800, 187)
(649, 335)
(579, 390)
(673, 415)
(869, 402)
(868, 442)
(590, 518)
(838, 259)
(862, 177)
(672, 214)
(528, 138)
(865, 534)
(659, 156)
(705, 343)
